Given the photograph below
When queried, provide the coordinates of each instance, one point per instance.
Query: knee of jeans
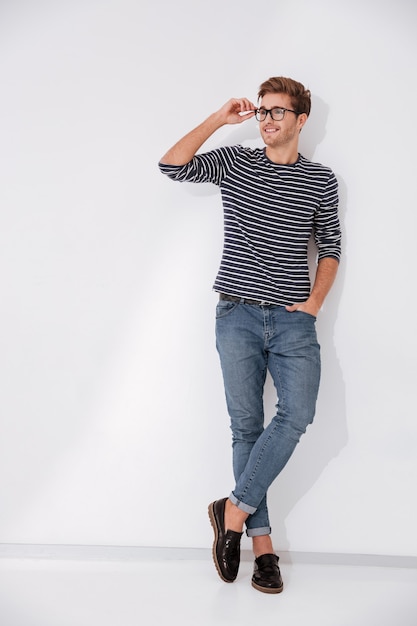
(293, 426)
(246, 429)
(240, 436)
(246, 425)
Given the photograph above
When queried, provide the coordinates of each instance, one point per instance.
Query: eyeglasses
(277, 113)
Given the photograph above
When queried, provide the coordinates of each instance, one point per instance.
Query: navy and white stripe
(270, 212)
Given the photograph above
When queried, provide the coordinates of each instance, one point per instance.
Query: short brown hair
(300, 96)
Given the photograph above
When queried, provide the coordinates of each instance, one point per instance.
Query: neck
(283, 155)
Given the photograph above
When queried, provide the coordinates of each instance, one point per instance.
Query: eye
(277, 111)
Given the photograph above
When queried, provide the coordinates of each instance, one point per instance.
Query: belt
(225, 296)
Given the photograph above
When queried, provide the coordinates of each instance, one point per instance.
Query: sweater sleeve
(209, 167)
(327, 231)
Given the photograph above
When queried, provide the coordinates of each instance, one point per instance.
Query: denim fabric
(251, 340)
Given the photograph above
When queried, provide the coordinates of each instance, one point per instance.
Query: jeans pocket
(309, 315)
(224, 307)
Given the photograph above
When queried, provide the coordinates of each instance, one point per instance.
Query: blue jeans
(251, 340)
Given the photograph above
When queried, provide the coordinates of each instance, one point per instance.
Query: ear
(302, 118)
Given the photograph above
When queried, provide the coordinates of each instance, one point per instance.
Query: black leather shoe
(226, 545)
(266, 575)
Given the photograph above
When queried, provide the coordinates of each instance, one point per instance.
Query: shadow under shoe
(226, 544)
(266, 575)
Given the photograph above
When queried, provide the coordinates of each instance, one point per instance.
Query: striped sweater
(270, 213)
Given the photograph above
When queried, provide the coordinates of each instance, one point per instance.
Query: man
(273, 200)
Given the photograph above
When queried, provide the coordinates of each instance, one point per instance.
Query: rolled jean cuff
(258, 532)
(241, 505)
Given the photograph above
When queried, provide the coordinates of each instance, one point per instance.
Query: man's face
(286, 131)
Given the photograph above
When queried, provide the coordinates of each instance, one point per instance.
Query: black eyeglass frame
(266, 111)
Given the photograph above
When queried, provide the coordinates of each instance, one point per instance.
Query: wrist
(314, 303)
(216, 120)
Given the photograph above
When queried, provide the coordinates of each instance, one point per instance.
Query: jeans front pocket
(224, 307)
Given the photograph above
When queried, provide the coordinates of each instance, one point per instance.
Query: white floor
(150, 591)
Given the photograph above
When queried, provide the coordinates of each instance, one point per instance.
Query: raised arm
(235, 111)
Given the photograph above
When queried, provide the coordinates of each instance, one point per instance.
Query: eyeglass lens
(276, 113)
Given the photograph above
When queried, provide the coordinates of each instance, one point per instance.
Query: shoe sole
(213, 522)
(267, 589)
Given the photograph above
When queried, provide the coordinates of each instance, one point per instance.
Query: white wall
(113, 424)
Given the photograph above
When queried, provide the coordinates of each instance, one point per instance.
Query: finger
(247, 114)
(244, 104)
(247, 108)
